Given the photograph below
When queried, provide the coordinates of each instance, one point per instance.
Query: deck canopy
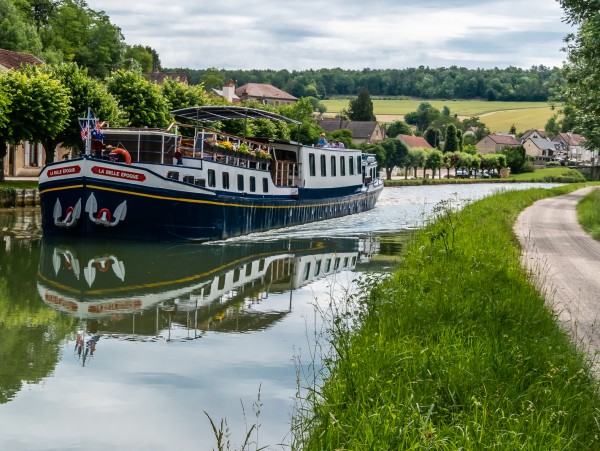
(225, 112)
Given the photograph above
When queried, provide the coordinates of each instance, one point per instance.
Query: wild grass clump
(567, 176)
(588, 213)
(456, 350)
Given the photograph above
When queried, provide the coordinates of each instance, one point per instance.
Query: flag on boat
(91, 126)
(84, 129)
(96, 131)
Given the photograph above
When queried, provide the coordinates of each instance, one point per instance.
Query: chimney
(229, 91)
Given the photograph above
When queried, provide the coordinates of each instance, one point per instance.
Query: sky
(349, 34)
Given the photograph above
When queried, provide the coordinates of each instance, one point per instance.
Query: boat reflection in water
(145, 291)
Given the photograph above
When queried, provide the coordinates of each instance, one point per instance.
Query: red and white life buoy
(119, 151)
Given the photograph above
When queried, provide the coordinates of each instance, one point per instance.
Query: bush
(552, 164)
(569, 176)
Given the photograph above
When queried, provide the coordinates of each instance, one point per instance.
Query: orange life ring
(122, 152)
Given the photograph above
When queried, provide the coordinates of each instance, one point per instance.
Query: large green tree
(84, 92)
(39, 108)
(425, 115)
(17, 33)
(141, 101)
(361, 108)
(582, 71)
(395, 155)
(451, 143)
(398, 128)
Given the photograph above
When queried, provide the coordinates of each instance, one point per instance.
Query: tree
(582, 70)
(39, 108)
(515, 158)
(15, 33)
(395, 154)
(425, 115)
(451, 142)
(432, 136)
(416, 158)
(140, 100)
(398, 128)
(84, 92)
(144, 55)
(180, 95)
(434, 161)
(361, 108)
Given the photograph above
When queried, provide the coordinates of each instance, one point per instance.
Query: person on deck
(323, 141)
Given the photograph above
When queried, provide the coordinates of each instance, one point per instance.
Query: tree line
(510, 84)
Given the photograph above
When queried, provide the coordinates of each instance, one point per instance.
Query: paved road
(565, 264)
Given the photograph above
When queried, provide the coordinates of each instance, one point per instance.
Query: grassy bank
(588, 214)
(456, 350)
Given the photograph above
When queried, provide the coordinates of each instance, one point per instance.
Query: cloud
(350, 34)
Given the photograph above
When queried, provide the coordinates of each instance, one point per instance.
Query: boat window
(248, 269)
(323, 166)
(358, 165)
(225, 180)
(351, 165)
(328, 265)
(265, 185)
(342, 166)
(221, 282)
(311, 164)
(261, 264)
(252, 184)
(240, 182)
(345, 262)
(336, 264)
(333, 166)
(211, 178)
(236, 274)
(306, 274)
(317, 268)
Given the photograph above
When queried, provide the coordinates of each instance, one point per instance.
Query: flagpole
(88, 138)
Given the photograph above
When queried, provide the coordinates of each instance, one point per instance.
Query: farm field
(498, 116)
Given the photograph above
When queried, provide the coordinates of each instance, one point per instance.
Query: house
(414, 141)
(160, 77)
(362, 131)
(25, 159)
(544, 150)
(532, 134)
(495, 142)
(575, 146)
(16, 60)
(265, 94)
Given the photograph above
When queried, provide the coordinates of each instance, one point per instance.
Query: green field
(498, 116)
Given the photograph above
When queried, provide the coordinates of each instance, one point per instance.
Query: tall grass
(457, 350)
(588, 214)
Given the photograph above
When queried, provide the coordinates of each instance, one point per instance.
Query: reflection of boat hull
(94, 280)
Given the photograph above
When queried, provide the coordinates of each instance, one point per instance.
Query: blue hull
(84, 206)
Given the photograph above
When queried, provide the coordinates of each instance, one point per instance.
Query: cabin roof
(224, 113)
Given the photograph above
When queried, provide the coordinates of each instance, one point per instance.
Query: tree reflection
(30, 333)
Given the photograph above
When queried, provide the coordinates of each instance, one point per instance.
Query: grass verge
(588, 214)
(456, 350)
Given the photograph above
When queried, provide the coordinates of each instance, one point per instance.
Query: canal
(139, 346)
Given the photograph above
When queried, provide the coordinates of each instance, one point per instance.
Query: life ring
(119, 151)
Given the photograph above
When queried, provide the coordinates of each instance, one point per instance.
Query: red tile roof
(15, 60)
(414, 141)
(259, 90)
(504, 140)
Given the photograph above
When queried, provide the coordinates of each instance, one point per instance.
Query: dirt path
(565, 264)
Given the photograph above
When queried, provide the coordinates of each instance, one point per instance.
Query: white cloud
(298, 35)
